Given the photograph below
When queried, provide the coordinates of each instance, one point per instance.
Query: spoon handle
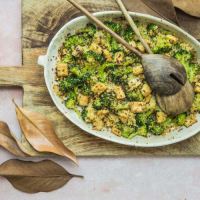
(100, 24)
(133, 26)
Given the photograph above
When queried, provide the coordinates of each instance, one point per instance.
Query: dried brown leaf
(191, 7)
(11, 143)
(157, 8)
(34, 177)
(40, 133)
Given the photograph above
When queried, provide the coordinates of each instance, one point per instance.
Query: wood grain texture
(39, 26)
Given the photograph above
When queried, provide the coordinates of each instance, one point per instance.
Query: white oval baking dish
(49, 63)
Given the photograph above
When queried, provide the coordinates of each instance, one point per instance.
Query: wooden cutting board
(41, 19)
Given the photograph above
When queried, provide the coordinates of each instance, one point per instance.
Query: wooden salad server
(174, 103)
(164, 74)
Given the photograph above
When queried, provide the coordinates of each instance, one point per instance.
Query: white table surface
(124, 177)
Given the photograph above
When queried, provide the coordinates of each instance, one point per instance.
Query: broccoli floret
(128, 132)
(86, 78)
(168, 121)
(91, 67)
(184, 57)
(151, 27)
(166, 32)
(102, 75)
(89, 30)
(84, 114)
(91, 57)
(86, 90)
(116, 28)
(129, 61)
(142, 131)
(197, 101)
(162, 46)
(155, 128)
(193, 69)
(73, 41)
(134, 95)
(113, 26)
(75, 69)
(114, 45)
(97, 104)
(121, 106)
(181, 118)
(69, 83)
(119, 76)
(68, 58)
(141, 119)
(72, 100)
(129, 33)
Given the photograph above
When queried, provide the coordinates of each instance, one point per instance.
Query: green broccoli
(91, 67)
(134, 95)
(129, 33)
(91, 57)
(116, 28)
(166, 32)
(170, 119)
(85, 79)
(72, 100)
(86, 90)
(120, 106)
(114, 45)
(184, 57)
(104, 67)
(73, 41)
(197, 101)
(97, 104)
(69, 83)
(89, 30)
(76, 70)
(193, 69)
(69, 59)
(156, 128)
(128, 132)
(129, 61)
(142, 131)
(141, 118)
(84, 114)
(162, 46)
(151, 27)
(181, 118)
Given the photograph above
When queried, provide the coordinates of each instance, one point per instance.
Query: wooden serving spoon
(165, 75)
(171, 104)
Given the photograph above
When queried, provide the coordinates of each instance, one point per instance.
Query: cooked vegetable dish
(106, 80)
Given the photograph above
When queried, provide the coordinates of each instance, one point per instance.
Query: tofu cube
(112, 117)
(148, 42)
(99, 88)
(64, 51)
(98, 124)
(141, 47)
(190, 119)
(133, 44)
(134, 83)
(107, 55)
(161, 117)
(197, 87)
(172, 39)
(147, 99)
(62, 69)
(138, 70)
(146, 90)
(123, 116)
(119, 92)
(102, 112)
(152, 103)
(77, 50)
(96, 48)
(116, 131)
(82, 100)
(119, 58)
(137, 107)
